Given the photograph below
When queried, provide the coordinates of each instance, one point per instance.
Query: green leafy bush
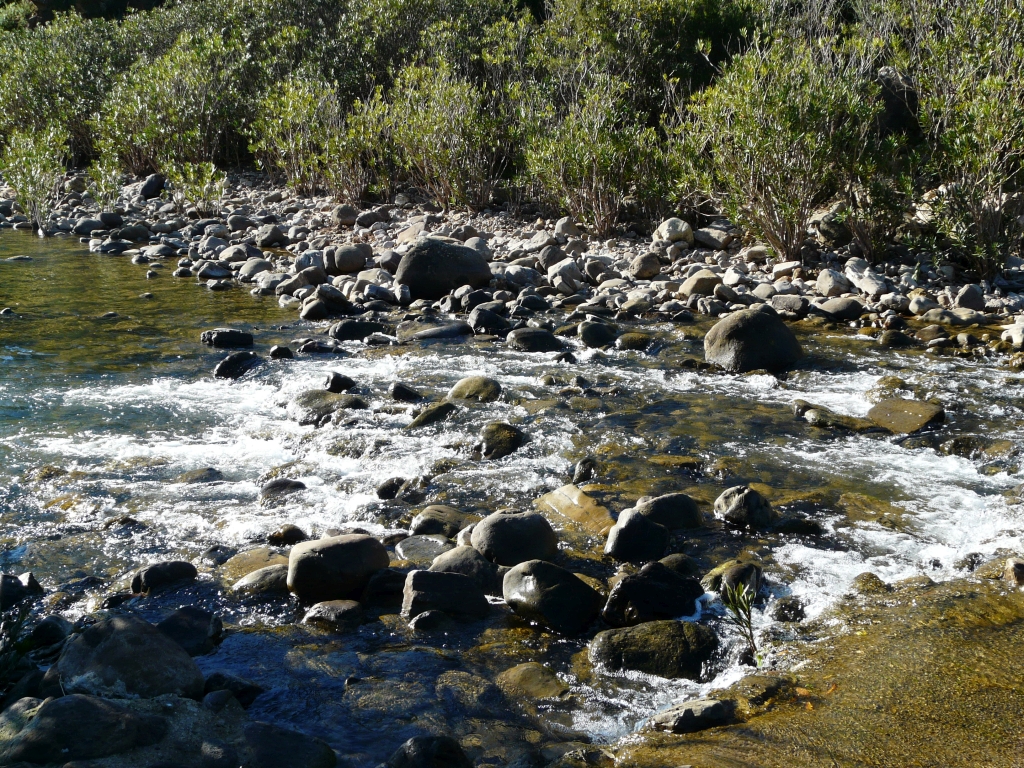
(596, 157)
(106, 178)
(785, 128)
(449, 139)
(361, 153)
(198, 184)
(185, 106)
(33, 164)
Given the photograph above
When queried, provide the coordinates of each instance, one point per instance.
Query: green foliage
(447, 135)
(596, 157)
(198, 184)
(786, 126)
(183, 107)
(739, 601)
(107, 179)
(15, 15)
(361, 153)
(33, 164)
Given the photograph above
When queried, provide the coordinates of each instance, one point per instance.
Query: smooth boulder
(433, 268)
(905, 417)
(672, 510)
(655, 592)
(551, 596)
(636, 539)
(743, 506)
(510, 539)
(750, 340)
(455, 594)
(335, 568)
(468, 562)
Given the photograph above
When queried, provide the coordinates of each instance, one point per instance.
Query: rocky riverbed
(454, 489)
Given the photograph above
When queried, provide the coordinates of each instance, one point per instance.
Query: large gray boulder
(752, 339)
(672, 649)
(124, 656)
(433, 268)
(469, 562)
(336, 568)
(552, 596)
(454, 593)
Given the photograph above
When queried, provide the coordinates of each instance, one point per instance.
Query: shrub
(33, 164)
(183, 107)
(15, 15)
(447, 137)
(361, 153)
(106, 178)
(198, 184)
(785, 128)
(596, 157)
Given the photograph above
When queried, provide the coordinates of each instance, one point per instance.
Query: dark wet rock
(316, 405)
(244, 691)
(403, 393)
(338, 382)
(584, 471)
(636, 539)
(344, 215)
(74, 727)
(693, 716)
(430, 752)
(455, 594)
(422, 549)
(788, 608)
(842, 308)
(152, 186)
(385, 587)
(163, 575)
(50, 631)
(433, 268)
(227, 338)
(318, 347)
(533, 340)
(218, 554)
(336, 615)
(281, 486)
(655, 592)
(357, 330)
(498, 440)
(481, 389)
(432, 621)
(432, 414)
(270, 746)
(336, 568)
(734, 574)
(287, 535)
(868, 583)
(434, 331)
(236, 364)
(279, 352)
(633, 341)
(905, 417)
(15, 589)
(486, 321)
(745, 507)
(596, 334)
(895, 340)
(196, 476)
(469, 562)
(510, 539)
(752, 339)
(551, 596)
(440, 519)
(125, 656)
(391, 488)
(672, 649)
(195, 630)
(264, 582)
(790, 305)
(672, 510)
(682, 564)
(463, 693)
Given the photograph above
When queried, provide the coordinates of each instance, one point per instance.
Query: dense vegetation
(903, 118)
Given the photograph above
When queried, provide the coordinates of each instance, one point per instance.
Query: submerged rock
(693, 716)
(906, 416)
(270, 746)
(671, 649)
(430, 752)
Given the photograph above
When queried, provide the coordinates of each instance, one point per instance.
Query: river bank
(120, 451)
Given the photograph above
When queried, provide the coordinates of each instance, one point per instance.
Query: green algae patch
(925, 675)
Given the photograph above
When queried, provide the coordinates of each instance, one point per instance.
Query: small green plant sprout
(200, 184)
(33, 165)
(739, 601)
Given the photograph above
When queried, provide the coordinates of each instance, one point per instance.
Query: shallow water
(100, 415)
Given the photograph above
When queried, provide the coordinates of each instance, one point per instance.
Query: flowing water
(106, 399)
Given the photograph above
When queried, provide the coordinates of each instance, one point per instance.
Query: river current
(107, 398)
